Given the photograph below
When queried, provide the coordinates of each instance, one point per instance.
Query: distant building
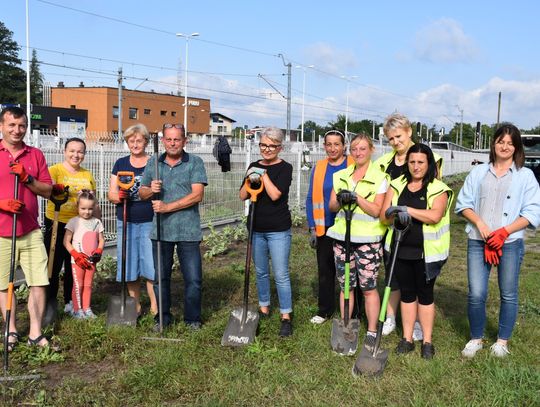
(221, 124)
(150, 108)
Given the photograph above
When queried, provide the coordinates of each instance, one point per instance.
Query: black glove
(345, 197)
(392, 210)
(312, 238)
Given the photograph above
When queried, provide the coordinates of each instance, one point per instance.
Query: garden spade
(9, 302)
(344, 336)
(122, 309)
(244, 320)
(52, 303)
(371, 362)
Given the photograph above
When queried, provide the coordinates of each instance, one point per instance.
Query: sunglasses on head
(171, 125)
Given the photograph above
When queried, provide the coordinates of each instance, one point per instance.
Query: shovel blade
(121, 314)
(369, 365)
(344, 339)
(241, 331)
(51, 309)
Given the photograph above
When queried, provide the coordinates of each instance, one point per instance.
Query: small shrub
(298, 216)
(22, 292)
(106, 269)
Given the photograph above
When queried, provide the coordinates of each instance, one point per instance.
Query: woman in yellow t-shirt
(67, 173)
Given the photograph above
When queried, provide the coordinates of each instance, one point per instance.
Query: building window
(133, 112)
(147, 111)
(163, 113)
(72, 107)
(115, 112)
(222, 129)
(173, 114)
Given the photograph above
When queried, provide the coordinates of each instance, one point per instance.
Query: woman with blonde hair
(139, 257)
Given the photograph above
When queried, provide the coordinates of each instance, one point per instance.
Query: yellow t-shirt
(82, 179)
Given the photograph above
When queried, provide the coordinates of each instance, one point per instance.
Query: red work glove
(96, 255)
(18, 169)
(81, 259)
(496, 239)
(123, 194)
(58, 189)
(492, 256)
(11, 205)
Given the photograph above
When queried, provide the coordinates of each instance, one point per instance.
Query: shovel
(243, 322)
(52, 303)
(373, 362)
(344, 337)
(122, 310)
(9, 301)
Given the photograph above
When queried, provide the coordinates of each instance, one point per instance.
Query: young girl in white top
(84, 241)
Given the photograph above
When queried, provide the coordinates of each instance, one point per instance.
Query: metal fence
(221, 203)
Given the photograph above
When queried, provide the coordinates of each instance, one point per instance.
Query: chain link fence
(221, 203)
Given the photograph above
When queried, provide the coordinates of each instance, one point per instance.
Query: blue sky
(422, 58)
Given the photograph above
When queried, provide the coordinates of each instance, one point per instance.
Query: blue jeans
(508, 277)
(277, 246)
(189, 256)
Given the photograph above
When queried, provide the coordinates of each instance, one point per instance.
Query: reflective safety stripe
(354, 239)
(437, 257)
(318, 206)
(437, 234)
(358, 216)
(319, 222)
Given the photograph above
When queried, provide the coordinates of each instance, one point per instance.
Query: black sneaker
(286, 328)
(404, 346)
(427, 350)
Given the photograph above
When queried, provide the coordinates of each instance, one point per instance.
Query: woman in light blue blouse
(499, 200)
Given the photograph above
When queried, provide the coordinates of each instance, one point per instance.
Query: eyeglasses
(171, 125)
(269, 147)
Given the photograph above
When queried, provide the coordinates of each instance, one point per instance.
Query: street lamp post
(187, 37)
(460, 127)
(348, 79)
(303, 98)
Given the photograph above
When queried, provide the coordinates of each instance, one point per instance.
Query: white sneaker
(499, 350)
(471, 348)
(389, 326)
(317, 319)
(68, 308)
(89, 314)
(79, 314)
(417, 334)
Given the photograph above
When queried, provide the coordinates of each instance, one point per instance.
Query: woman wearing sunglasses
(272, 226)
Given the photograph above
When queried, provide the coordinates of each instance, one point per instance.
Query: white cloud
(330, 59)
(444, 41)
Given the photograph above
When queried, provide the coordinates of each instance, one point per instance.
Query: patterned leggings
(82, 287)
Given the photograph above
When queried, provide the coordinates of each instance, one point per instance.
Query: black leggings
(412, 281)
(61, 258)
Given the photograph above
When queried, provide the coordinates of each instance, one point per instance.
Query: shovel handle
(125, 174)
(253, 193)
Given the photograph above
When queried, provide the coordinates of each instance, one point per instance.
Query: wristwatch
(29, 180)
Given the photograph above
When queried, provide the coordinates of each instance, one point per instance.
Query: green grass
(115, 367)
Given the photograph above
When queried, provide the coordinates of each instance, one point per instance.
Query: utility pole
(460, 127)
(120, 103)
(289, 69)
(499, 111)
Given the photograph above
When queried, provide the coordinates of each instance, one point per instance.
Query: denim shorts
(139, 258)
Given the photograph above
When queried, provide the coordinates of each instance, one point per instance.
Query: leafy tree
(36, 80)
(309, 127)
(12, 77)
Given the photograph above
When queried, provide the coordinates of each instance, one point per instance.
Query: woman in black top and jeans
(272, 226)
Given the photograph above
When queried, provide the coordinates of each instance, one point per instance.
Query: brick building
(150, 108)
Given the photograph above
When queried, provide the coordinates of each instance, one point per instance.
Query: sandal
(11, 345)
(36, 342)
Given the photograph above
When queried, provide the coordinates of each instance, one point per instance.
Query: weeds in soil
(115, 367)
